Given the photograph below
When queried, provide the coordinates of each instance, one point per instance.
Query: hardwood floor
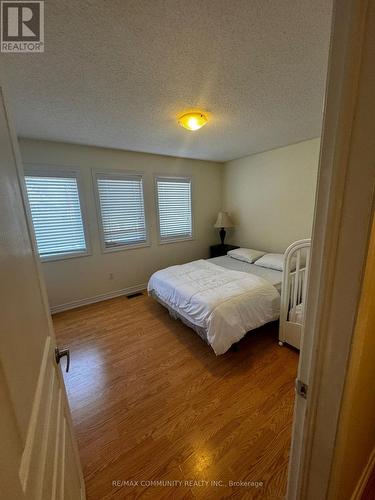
(151, 402)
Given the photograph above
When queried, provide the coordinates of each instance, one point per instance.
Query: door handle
(60, 354)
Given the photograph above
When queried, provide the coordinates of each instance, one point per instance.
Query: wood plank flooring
(151, 402)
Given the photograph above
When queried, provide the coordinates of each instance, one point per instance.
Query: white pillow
(276, 261)
(272, 261)
(245, 254)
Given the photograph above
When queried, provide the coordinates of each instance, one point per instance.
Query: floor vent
(133, 295)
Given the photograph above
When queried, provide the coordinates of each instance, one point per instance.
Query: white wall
(84, 277)
(271, 196)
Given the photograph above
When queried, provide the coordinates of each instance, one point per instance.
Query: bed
(221, 298)
(224, 298)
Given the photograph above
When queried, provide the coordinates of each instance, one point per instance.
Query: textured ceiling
(116, 73)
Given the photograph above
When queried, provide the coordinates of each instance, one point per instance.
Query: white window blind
(174, 207)
(122, 210)
(56, 214)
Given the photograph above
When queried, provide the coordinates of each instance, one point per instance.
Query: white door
(38, 453)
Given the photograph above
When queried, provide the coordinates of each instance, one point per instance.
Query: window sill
(125, 247)
(66, 256)
(175, 240)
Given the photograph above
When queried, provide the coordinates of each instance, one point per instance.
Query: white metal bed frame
(293, 292)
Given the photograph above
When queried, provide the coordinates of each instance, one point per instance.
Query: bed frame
(293, 292)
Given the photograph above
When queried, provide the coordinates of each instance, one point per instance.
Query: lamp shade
(223, 220)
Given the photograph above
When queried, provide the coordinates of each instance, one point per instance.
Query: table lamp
(223, 221)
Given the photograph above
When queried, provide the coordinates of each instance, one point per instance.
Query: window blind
(174, 206)
(56, 215)
(122, 210)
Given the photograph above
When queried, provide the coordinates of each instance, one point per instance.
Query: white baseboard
(97, 298)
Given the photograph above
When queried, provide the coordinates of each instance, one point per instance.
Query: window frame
(48, 170)
(119, 174)
(189, 178)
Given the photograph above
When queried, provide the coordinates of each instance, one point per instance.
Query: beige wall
(84, 277)
(271, 196)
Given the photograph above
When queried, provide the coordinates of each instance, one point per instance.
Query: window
(174, 208)
(56, 214)
(121, 210)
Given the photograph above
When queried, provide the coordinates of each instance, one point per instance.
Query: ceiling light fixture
(192, 121)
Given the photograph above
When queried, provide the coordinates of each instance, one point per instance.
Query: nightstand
(218, 250)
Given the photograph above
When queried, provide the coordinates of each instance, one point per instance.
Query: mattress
(221, 304)
(274, 277)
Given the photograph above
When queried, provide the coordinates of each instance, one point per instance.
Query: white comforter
(226, 303)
